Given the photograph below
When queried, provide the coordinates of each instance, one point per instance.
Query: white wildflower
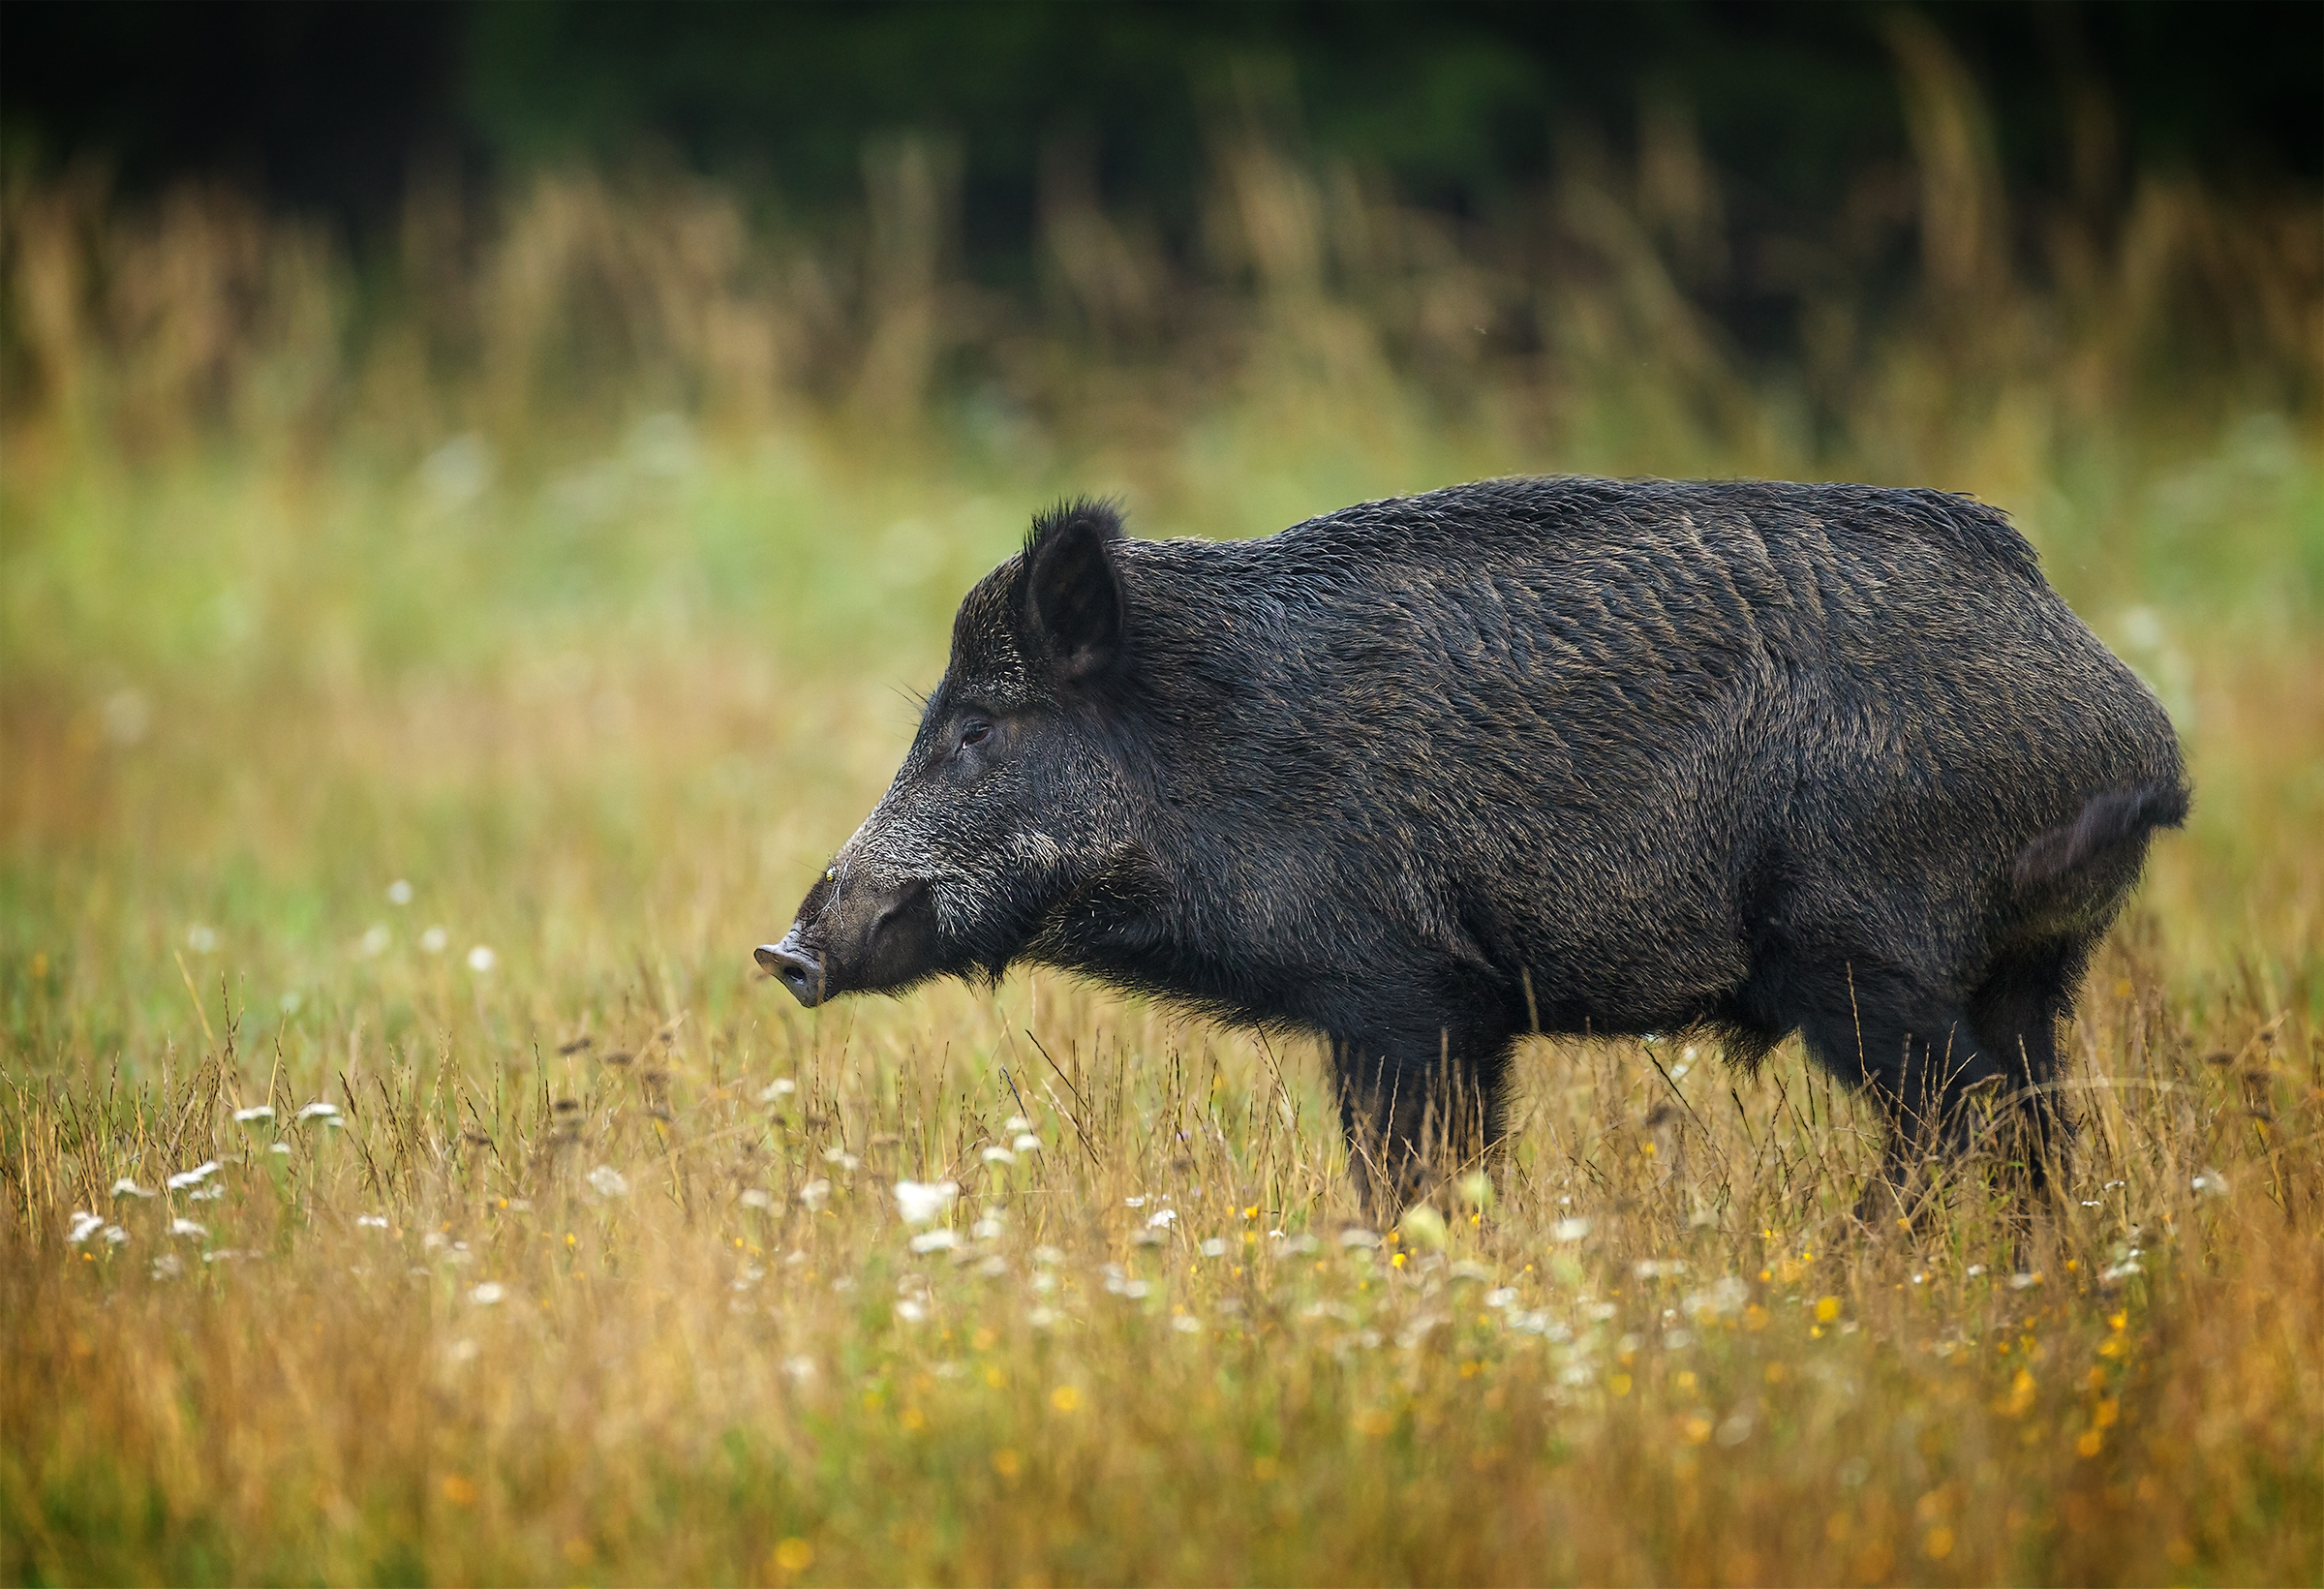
(487, 1294)
(910, 1310)
(1186, 1324)
(782, 1086)
(256, 1112)
(376, 939)
(194, 1177)
(845, 1161)
(433, 939)
(201, 938)
(2211, 1182)
(282, 1148)
(999, 1155)
(920, 1202)
(757, 1198)
(127, 715)
(1726, 1295)
(990, 1228)
(811, 1195)
(1048, 1257)
(1356, 1235)
(936, 1240)
(114, 1236)
(399, 891)
(317, 1111)
(207, 1194)
(800, 1368)
(1213, 1247)
(126, 1187)
(187, 1227)
(1027, 1143)
(168, 1267)
(482, 958)
(1162, 1219)
(1500, 1296)
(608, 1181)
(371, 1222)
(84, 1226)
(1570, 1230)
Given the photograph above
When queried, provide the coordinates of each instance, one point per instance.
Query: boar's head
(1014, 803)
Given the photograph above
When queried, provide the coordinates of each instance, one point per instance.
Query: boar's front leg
(1417, 1109)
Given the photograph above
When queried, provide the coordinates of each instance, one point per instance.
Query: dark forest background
(334, 107)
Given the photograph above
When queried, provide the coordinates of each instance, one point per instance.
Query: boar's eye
(975, 733)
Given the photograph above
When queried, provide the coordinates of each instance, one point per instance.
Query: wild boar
(1559, 755)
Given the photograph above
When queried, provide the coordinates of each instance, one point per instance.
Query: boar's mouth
(868, 939)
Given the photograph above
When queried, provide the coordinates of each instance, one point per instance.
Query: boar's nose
(798, 968)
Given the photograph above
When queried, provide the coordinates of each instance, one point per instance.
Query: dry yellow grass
(641, 1311)
(600, 1270)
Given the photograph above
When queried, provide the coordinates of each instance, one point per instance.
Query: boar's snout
(864, 935)
(796, 967)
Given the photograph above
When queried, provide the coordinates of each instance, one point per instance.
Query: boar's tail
(2112, 817)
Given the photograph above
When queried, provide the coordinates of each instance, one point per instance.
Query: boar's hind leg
(1915, 1051)
(1415, 1112)
(2016, 1011)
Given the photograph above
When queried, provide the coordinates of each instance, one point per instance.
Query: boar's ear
(1073, 594)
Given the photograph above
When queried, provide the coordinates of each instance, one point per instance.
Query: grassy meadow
(421, 685)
